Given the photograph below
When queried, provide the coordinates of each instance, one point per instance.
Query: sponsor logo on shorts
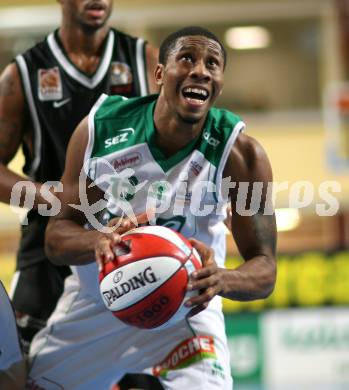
(128, 161)
(50, 84)
(134, 283)
(186, 353)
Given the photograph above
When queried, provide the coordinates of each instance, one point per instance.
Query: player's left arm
(152, 58)
(255, 235)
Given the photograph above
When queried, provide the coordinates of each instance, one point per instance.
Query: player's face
(192, 78)
(91, 14)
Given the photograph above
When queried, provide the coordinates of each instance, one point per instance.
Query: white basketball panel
(130, 283)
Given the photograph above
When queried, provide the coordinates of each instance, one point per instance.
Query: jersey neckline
(166, 163)
(89, 81)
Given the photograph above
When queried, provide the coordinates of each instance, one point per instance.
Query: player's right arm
(13, 122)
(66, 240)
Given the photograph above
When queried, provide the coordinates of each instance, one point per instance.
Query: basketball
(146, 284)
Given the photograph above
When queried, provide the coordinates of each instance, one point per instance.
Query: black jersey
(58, 97)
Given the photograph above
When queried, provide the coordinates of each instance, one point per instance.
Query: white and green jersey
(123, 160)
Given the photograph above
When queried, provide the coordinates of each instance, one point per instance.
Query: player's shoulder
(224, 124)
(117, 106)
(38, 51)
(223, 118)
(121, 35)
(245, 156)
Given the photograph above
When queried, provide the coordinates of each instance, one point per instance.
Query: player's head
(170, 41)
(88, 14)
(190, 72)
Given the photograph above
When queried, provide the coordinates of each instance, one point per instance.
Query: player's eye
(187, 58)
(213, 63)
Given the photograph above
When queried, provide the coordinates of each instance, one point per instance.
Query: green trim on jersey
(211, 143)
(165, 163)
(121, 123)
(217, 130)
(111, 135)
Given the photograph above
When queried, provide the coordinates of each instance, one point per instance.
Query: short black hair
(170, 41)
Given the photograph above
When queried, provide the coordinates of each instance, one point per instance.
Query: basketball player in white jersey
(83, 345)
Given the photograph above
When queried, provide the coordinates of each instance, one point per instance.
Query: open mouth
(95, 7)
(195, 95)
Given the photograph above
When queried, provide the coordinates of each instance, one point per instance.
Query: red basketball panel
(158, 307)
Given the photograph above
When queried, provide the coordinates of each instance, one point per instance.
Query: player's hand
(207, 280)
(107, 241)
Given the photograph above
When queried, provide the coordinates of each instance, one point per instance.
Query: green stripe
(165, 163)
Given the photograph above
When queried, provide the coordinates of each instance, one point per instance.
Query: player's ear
(159, 74)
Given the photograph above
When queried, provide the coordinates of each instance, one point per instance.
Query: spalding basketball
(145, 285)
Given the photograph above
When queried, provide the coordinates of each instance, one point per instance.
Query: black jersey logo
(49, 84)
(121, 78)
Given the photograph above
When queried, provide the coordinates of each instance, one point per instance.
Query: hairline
(175, 42)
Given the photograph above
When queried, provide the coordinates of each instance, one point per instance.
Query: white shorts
(10, 352)
(85, 347)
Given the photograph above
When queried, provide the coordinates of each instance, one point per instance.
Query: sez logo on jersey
(122, 136)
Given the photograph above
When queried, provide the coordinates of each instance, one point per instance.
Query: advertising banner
(303, 347)
(243, 331)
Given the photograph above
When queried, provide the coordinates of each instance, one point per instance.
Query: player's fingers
(202, 284)
(112, 238)
(205, 252)
(122, 225)
(103, 251)
(144, 217)
(99, 259)
(203, 273)
(197, 309)
(204, 298)
(114, 222)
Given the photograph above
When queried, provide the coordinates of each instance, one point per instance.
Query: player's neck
(173, 134)
(77, 41)
(83, 49)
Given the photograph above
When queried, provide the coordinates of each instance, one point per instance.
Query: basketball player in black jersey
(44, 94)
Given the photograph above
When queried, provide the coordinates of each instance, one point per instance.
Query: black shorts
(35, 294)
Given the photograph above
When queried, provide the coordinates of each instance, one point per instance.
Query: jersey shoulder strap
(219, 133)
